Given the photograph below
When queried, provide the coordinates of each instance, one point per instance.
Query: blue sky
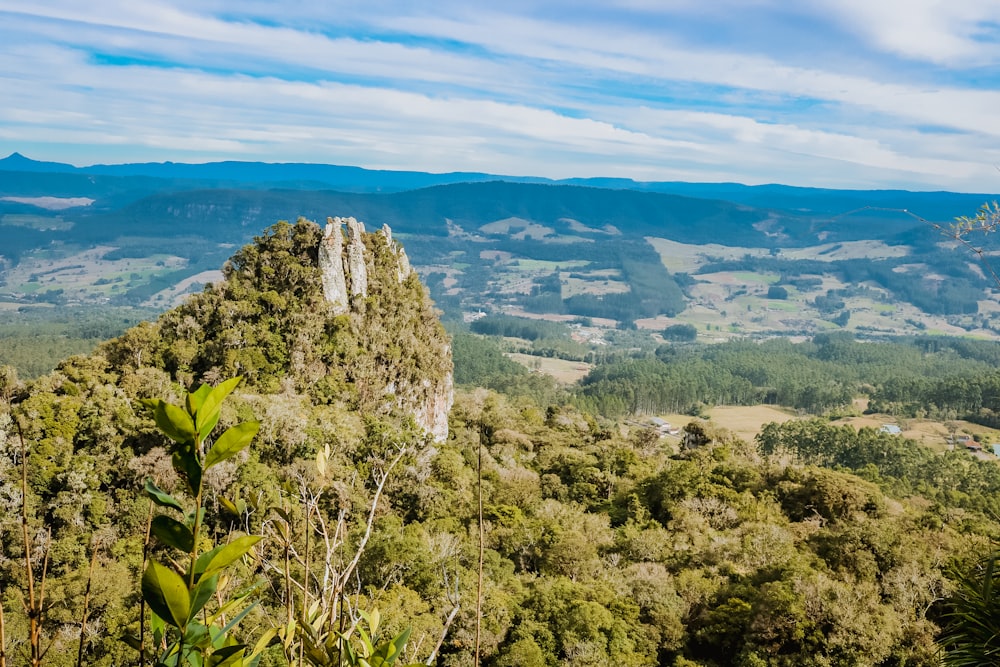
(827, 93)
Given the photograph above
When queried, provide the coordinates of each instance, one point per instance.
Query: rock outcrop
(331, 266)
(403, 268)
(356, 258)
(346, 271)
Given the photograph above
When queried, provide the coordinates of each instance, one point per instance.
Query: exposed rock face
(403, 268)
(428, 396)
(331, 265)
(432, 415)
(356, 258)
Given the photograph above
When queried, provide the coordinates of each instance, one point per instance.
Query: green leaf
(227, 656)
(263, 641)
(231, 507)
(158, 628)
(186, 464)
(203, 592)
(195, 398)
(231, 442)
(132, 641)
(166, 594)
(161, 497)
(208, 414)
(208, 426)
(198, 634)
(172, 533)
(236, 619)
(222, 556)
(391, 650)
(174, 422)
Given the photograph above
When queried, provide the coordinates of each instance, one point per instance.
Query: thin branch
(346, 574)
(479, 585)
(142, 599)
(33, 608)
(86, 603)
(444, 633)
(3, 638)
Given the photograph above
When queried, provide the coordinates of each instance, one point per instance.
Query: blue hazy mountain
(136, 178)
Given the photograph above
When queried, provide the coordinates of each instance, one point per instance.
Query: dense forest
(602, 542)
(937, 377)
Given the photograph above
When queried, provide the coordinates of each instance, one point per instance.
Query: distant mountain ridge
(305, 176)
(609, 249)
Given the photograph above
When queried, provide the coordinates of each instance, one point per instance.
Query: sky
(825, 93)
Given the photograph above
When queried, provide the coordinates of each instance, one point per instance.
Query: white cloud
(544, 91)
(956, 32)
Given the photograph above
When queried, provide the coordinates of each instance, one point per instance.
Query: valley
(779, 480)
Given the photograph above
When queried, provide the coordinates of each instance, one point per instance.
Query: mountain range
(619, 250)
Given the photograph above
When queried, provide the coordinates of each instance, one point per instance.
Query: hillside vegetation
(603, 542)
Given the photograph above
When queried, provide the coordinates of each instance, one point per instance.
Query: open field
(85, 275)
(173, 296)
(687, 258)
(596, 283)
(832, 252)
(565, 372)
(747, 421)
(517, 228)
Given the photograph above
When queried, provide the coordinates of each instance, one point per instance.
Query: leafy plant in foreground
(184, 630)
(971, 634)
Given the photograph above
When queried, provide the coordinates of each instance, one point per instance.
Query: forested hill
(603, 543)
(567, 210)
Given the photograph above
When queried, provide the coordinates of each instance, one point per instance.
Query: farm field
(564, 371)
(747, 421)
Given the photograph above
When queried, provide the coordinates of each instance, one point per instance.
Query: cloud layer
(831, 93)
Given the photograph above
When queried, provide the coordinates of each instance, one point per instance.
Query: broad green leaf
(236, 509)
(132, 641)
(205, 559)
(388, 652)
(202, 593)
(228, 656)
(208, 413)
(231, 442)
(166, 594)
(207, 427)
(228, 553)
(186, 464)
(172, 533)
(158, 627)
(196, 398)
(175, 423)
(264, 640)
(161, 497)
(198, 634)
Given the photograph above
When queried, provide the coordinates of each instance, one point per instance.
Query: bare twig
(33, 607)
(3, 639)
(86, 603)
(479, 585)
(381, 481)
(444, 633)
(142, 599)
